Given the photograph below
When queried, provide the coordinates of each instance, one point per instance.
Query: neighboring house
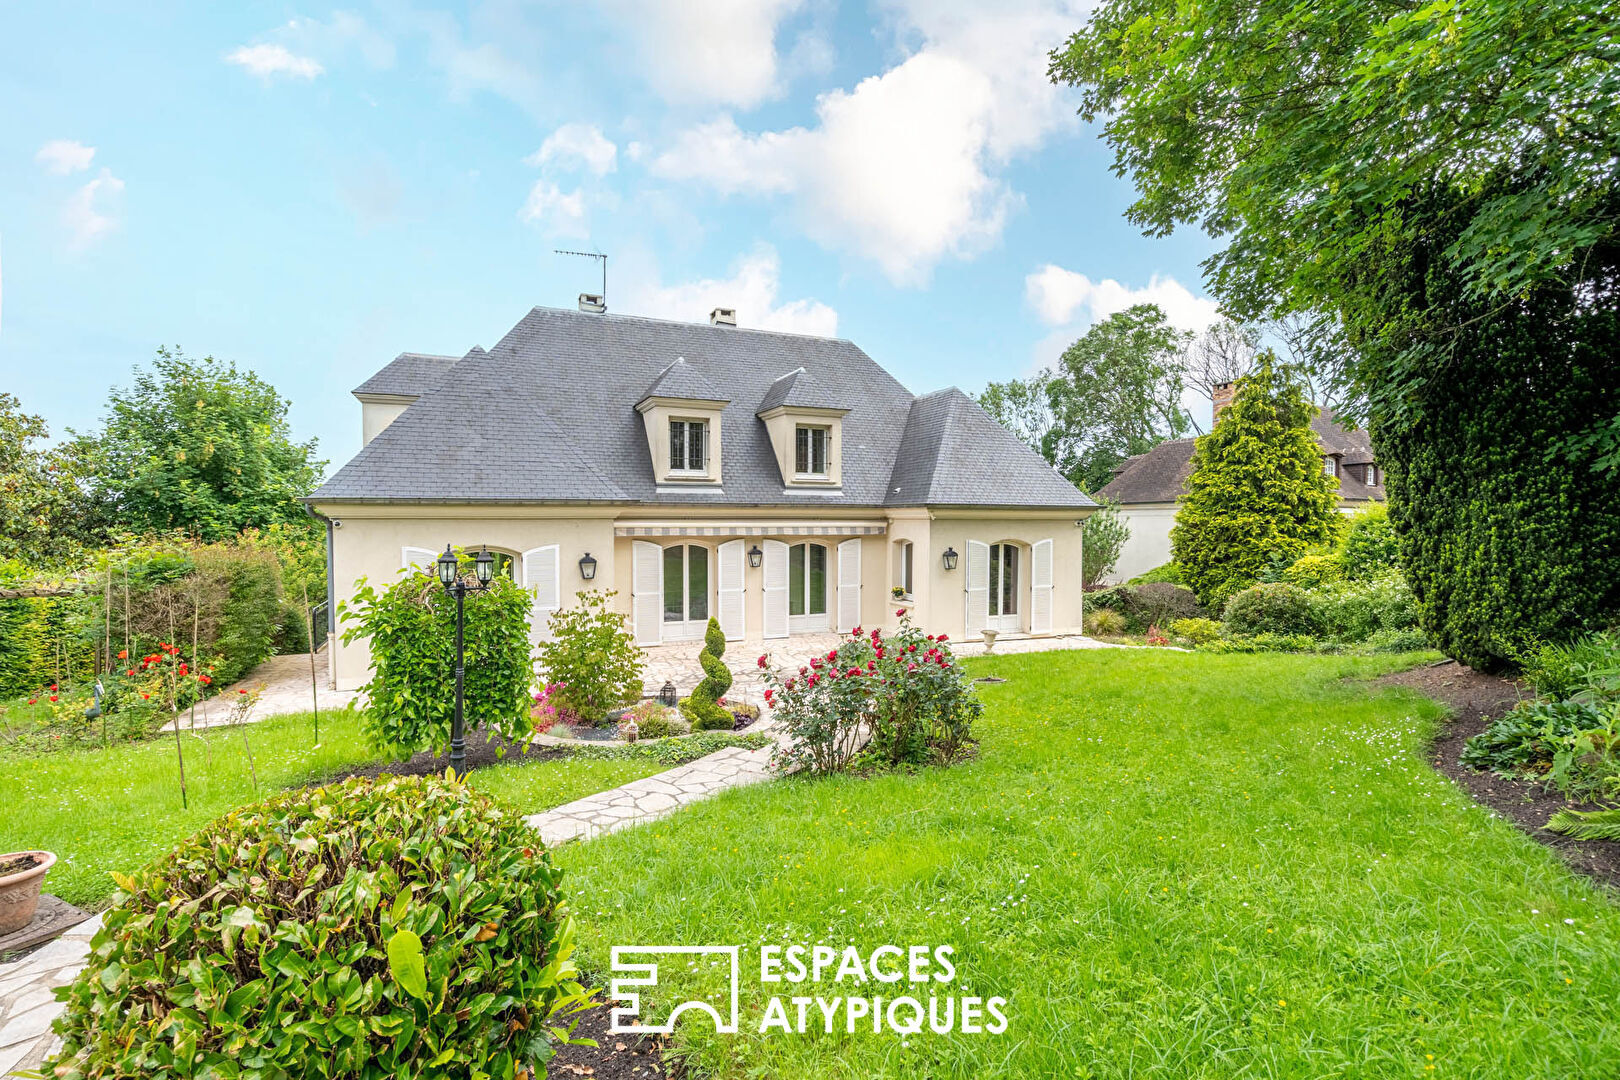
(782, 483)
(1148, 485)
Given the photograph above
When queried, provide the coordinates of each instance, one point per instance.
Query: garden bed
(1475, 699)
(482, 752)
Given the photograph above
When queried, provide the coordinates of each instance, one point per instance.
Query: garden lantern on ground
(458, 587)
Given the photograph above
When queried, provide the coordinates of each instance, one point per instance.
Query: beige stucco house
(782, 483)
(1149, 486)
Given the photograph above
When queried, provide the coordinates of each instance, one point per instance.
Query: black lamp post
(454, 584)
(950, 558)
(754, 556)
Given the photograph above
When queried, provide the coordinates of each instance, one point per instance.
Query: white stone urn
(989, 639)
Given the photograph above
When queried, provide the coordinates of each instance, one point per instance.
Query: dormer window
(688, 446)
(1330, 465)
(812, 451)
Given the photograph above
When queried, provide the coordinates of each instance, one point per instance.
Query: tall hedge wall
(1504, 539)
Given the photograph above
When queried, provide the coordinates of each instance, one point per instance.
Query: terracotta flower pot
(19, 891)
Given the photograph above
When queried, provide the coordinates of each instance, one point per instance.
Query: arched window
(1004, 586)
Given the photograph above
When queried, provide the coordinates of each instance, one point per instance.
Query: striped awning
(750, 528)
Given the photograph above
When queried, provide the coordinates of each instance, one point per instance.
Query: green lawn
(115, 809)
(1173, 865)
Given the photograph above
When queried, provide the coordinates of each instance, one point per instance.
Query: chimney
(593, 303)
(1221, 397)
(723, 316)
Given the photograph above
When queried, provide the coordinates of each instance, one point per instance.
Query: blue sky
(311, 190)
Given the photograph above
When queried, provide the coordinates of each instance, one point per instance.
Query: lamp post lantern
(458, 587)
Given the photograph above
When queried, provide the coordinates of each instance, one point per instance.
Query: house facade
(781, 483)
(1149, 486)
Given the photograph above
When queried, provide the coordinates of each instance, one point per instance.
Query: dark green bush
(292, 630)
(702, 708)
(1167, 572)
(1370, 547)
(252, 607)
(411, 626)
(1589, 666)
(397, 928)
(1271, 608)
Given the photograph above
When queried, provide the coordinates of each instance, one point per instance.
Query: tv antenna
(590, 255)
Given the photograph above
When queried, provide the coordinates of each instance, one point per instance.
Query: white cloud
(268, 60)
(342, 31)
(559, 213)
(752, 289)
(711, 51)
(88, 215)
(583, 144)
(904, 169)
(63, 156)
(1059, 295)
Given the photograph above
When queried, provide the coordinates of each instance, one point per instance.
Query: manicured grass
(1173, 865)
(116, 809)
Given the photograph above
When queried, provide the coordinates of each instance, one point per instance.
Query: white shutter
(542, 576)
(421, 558)
(776, 589)
(978, 586)
(730, 591)
(1040, 587)
(849, 585)
(647, 592)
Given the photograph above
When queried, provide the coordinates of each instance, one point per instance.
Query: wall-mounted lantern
(950, 558)
(587, 567)
(755, 556)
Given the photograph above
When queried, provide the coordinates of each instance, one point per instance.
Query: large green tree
(1115, 392)
(1429, 180)
(201, 447)
(1258, 491)
(45, 514)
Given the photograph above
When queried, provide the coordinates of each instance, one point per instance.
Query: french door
(807, 588)
(686, 592)
(1003, 598)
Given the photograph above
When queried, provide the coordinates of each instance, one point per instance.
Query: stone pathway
(283, 685)
(27, 1004)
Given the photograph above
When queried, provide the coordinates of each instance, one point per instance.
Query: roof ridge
(611, 315)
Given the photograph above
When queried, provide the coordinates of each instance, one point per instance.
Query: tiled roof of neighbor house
(409, 375)
(797, 388)
(551, 418)
(682, 380)
(1160, 475)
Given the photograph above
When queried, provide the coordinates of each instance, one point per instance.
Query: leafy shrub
(1262, 643)
(1314, 571)
(403, 927)
(1256, 490)
(1586, 825)
(1104, 622)
(1144, 605)
(907, 689)
(1168, 573)
(1528, 736)
(655, 721)
(1355, 610)
(1103, 537)
(1370, 547)
(1586, 764)
(1197, 631)
(1589, 666)
(1270, 608)
(1395, 641)
(250, 580)
(593, 657)
(703, 709)
(292, 630)
(411, 625)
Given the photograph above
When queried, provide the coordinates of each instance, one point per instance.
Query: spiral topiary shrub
(404, 927)
(703, 708)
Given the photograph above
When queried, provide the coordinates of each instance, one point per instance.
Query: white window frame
(686, 468)
(905, 566)
(812, 622)
(811, 430)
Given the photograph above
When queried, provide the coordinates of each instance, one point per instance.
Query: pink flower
(853, 671)
(768, 695)
(855, 632)
(912, 666)
(900, 614)
(762, 661)
(832, 654)
(871, 665)
(942, 637)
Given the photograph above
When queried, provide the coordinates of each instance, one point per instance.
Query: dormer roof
(683, 381)
(798, 389)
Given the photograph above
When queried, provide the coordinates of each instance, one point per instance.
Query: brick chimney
(1222, 397)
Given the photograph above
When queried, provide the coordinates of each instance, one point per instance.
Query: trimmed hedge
(403, 927)
(1271, 608)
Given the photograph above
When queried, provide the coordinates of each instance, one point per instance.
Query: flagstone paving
(27, 1002)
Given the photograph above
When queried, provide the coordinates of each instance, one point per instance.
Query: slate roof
(562, 426)
(682, 380)
(798, 388)
(409, 375)
(1160, 475)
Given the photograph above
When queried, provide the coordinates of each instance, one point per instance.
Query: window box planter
(21, 875)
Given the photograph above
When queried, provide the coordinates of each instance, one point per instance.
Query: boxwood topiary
(703, 708)
(1271, 608)
(403, 927)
